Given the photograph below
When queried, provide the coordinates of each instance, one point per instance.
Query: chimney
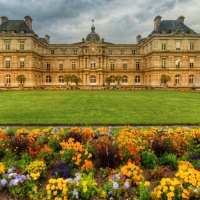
(138, 38)
(47, 37)
(4, 19)
(157, 22)
(28, 21)
(181, 19)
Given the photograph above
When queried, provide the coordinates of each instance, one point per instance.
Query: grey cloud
(67, 21)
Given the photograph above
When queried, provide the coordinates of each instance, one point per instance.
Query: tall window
(60, 66)
(191, 45)
(178, 62)
(93, 79)
(122, 52)
(52, 51)
(7, 45)
(191, 79)
(7, 63)
(61, 79)
(7, 79)
(112, 66)
(110, 52)
(21, 62)
(191, 64)
(75, 51)
(48, 79)
(125, 79)
(133, 52)
(137, 79)
(48, 65)
(137, 64)
(73, 65)
(163, 63)
(92, 64)
(21, 45)
(124, 66)
(178, 45)
(177, 79)
(164, 46)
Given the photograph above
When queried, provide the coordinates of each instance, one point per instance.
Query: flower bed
(86, 163)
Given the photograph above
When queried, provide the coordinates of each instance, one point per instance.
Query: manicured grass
(99, 107)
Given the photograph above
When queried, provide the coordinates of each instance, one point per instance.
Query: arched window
(191, 79)
(7, 79)
(177, 79)
(48, 79)
(137, 79)
(125, 79)
(92, 79)
(61, 79)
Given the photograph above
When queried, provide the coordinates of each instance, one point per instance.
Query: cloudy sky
(118, 21)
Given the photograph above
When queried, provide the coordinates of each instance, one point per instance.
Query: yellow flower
(171, 188)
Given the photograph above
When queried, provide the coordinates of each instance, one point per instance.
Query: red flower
(32, 152)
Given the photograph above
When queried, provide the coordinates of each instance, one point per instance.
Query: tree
(118, 79)
(75, 79)
(21, 79)
(164, 79)
(108, 80)
(67, 78)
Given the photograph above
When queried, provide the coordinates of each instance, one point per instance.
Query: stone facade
(171, 49)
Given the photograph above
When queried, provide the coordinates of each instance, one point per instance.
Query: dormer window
(21, 45)
(75, 51)
(178, 45)
(164, 46)
(7, 45)
(191, 45)
(133, 52)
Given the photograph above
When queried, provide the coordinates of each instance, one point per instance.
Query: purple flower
(69, 180)
(115, 185)
(14, 182)
(22, 178)
(11, 170)
(78, 177)
(75, 193)
(127, 185)
(3, 182)
(16, 176)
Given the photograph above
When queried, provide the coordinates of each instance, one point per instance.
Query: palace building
(172, 49)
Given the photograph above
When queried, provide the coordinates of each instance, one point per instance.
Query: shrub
(170, 144)
(19, 144)
(169, 160)
(149, 160)
(144, 192)
(75, 134)
(158, 173)
(54, 144)
(106, 152)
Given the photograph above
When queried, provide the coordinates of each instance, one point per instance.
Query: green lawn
(99, 107)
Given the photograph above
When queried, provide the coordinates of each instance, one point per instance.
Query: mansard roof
(15, 25)
(170, 26)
